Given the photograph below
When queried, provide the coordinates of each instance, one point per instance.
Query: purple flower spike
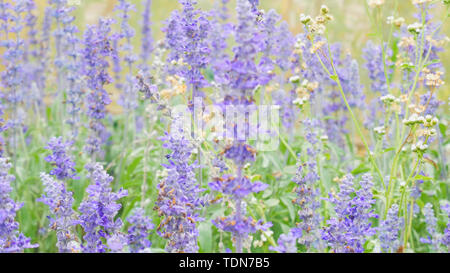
(99, 209)
(389, 230)
(60, 202)
(62, 162)
(350, 229)
(97, 42)
(179, 196)
(10, 238)
(139, 231)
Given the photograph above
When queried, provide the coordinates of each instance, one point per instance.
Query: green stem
(335, 77)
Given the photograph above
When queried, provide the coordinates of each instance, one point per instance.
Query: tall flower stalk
(11, 240)
(351, 227)
(97, 49)
(98, 213)
(179, 197)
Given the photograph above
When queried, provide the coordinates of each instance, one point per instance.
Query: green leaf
(290, 170)
(134, 164)
(443, 129)
(362, 168)
(286, 201)
(205, 237)
(272, 202)
(421, 177)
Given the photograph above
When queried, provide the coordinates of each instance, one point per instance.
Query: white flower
(324, 9)
(380, 130)
(388, 99)
(294, 79)
(375, 3)
(305, 19)
(415, 28)
(414, 119)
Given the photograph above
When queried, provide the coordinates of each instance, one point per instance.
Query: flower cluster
(389, 230)
(128, 98)
(62, 219)
(139, 231)
(179, 196)
(186, 34)
(64, 166)
(10, 238)
(110, 90)
(98, 212)
(97, 49)
(349, 230)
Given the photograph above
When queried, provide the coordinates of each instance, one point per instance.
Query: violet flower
(186, 34)
(97, 42)
(287, 243)
(11, 240)
(139, 231)
(433, 238)
(147, 39)
(351, 227)
(64, 166)
(306, 178)
(179, 196)
(60, 202)
(128, 98)
(389, 230)
(446, 236)
(99, 210)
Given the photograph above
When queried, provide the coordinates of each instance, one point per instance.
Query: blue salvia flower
(147, 37)
(389, 230)
(10, 238)
(60, 12)
(243, 79)
(186, 34)
(433, 238)
(433, 103)
(254, 4)
(244, 76)
(277, 48)
(3, 126)
(30, 55)
(97, 48)
(12, 78)
(446, 236)
(43, 53)
(350, 229)
(30, 23)
(98, 212)
(348, 71)
(220, 31)
(306, 178)
(285, 46)
(307, 232)
(139, 231)
(238, 187)
(269, 29)
(287, 243)
(71, 63)
(372, 54)
(128, 98)
(62, 218)
(179, 196)
(64, 166)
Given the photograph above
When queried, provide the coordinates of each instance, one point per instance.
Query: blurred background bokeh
(351, 26)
